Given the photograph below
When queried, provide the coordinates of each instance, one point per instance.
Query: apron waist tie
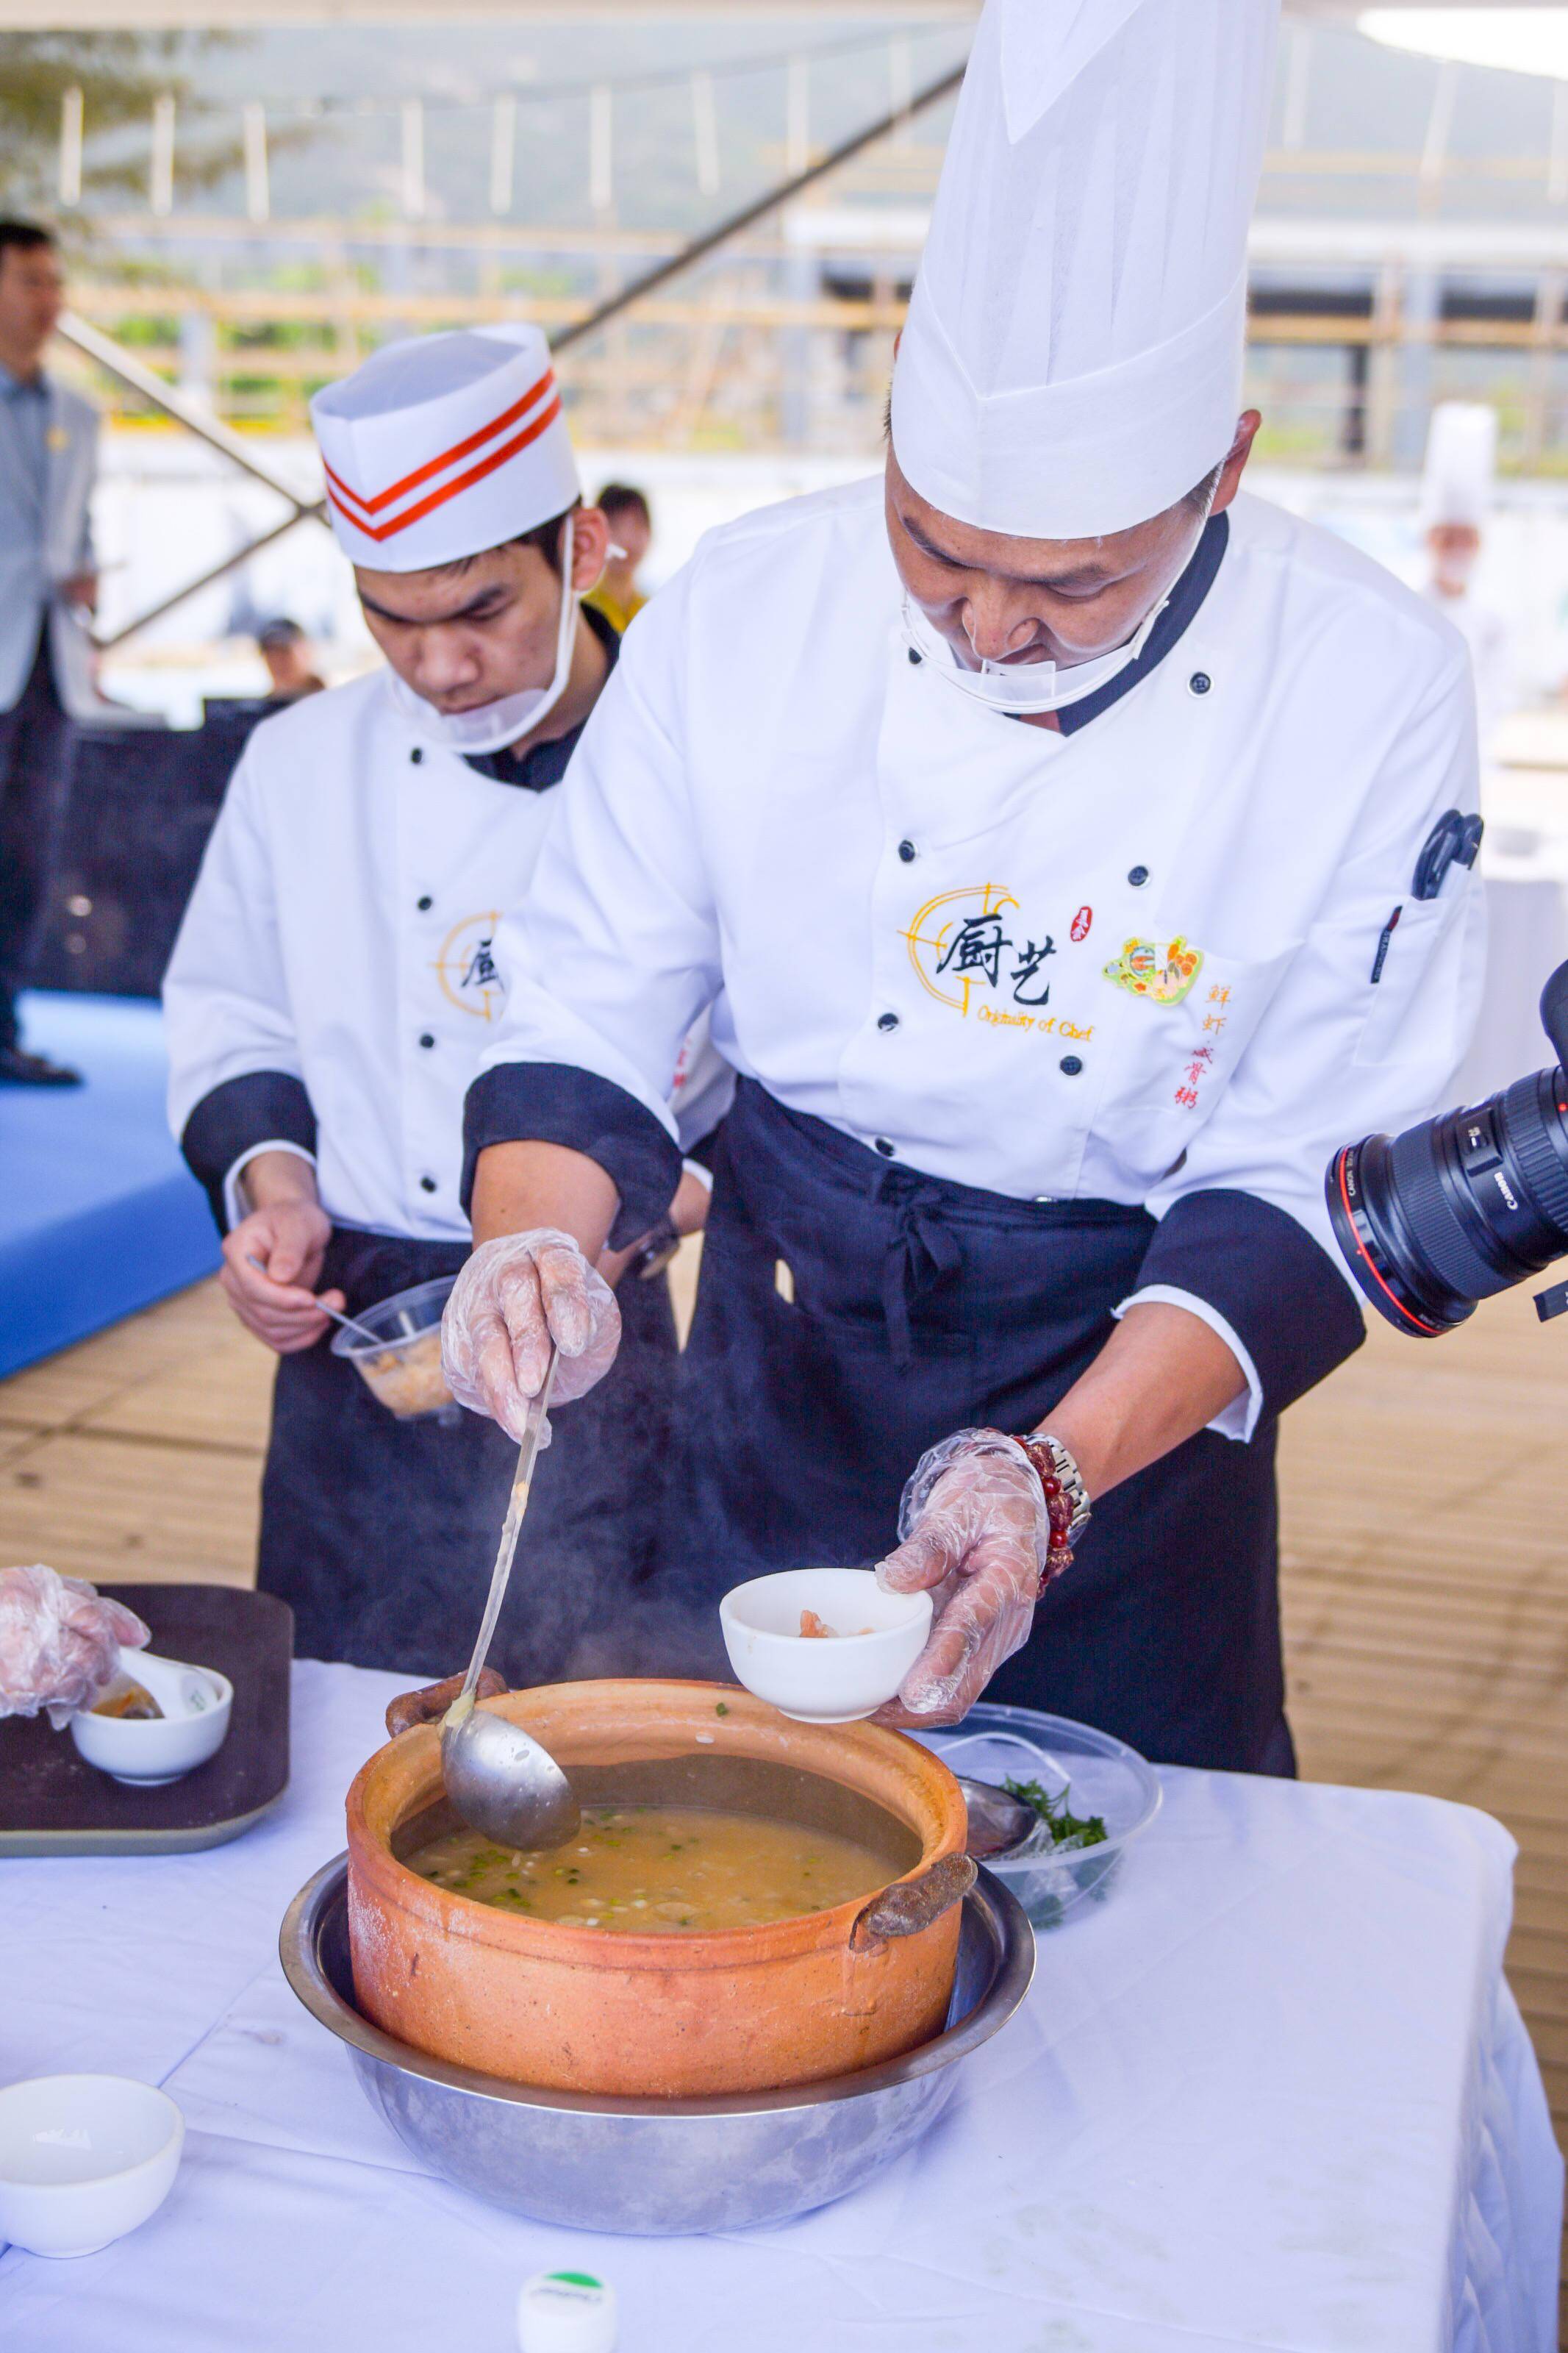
(920, 1250)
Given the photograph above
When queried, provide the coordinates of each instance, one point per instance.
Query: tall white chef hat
(1071, 363)
(1461, 461)
(443, 446)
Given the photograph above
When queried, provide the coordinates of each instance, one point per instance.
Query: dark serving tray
(53, 1802)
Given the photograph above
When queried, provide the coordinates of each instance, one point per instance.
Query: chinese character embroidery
(480, 971)
(976, 947)
(1030, 959)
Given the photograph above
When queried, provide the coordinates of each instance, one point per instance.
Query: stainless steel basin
(658, 2167)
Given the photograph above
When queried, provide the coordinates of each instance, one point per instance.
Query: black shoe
(20, 1069)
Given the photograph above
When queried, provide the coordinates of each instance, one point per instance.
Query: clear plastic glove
(975, 1533)
(515, 1295)
(59, 1642)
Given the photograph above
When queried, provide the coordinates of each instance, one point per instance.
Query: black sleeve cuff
(553, 1103)
(262, 1107)
(1277, 1289)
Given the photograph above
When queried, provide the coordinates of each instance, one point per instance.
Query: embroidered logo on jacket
(965, 941)
(467, 969)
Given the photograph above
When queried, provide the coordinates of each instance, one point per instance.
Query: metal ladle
(499, 1779)
(998, 1821)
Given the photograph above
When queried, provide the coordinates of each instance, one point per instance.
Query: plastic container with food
(402, 1369)
(1094, 1795)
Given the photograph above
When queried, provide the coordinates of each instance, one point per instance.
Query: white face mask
(1024, 690)
(493, 725)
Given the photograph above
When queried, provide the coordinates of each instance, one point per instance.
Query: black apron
(381, 1534)
(922, 1307)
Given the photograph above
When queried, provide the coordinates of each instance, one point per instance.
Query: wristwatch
(655, 1251)
(1068, 1505)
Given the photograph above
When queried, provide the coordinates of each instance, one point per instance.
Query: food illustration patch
(1162, 970)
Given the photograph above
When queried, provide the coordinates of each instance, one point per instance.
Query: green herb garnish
(1068, 1830)
(723, 1708)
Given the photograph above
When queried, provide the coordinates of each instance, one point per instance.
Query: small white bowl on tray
(823, 1679)
(147, 1751)
(1094, 1772)
(83, 2159)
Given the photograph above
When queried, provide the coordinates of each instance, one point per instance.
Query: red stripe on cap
(379, 531)
(459, 450)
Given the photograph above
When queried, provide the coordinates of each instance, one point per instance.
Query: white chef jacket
(777, 813)
(339, 954)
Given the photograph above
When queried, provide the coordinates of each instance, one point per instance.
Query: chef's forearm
(520, 1187)
(1161, 1377)
(269, 1179)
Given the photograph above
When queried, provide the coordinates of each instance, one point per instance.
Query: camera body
(1465, 1204)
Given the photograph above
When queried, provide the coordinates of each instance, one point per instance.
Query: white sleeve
(1338, 1053)
(226, 1012)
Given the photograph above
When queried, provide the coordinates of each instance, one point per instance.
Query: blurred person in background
(291, 672)
(49, 585)
(618, 597)
(1456, 506)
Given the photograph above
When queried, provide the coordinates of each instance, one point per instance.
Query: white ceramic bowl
(820, 1681)
(83, 2159)
(196, 1701)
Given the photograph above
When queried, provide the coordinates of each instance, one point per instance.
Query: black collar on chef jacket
(543, 764)
(1180, 612)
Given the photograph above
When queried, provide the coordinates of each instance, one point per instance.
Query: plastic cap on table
(566, 2312)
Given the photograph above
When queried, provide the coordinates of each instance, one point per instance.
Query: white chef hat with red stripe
(443, 446)
(1071, 363)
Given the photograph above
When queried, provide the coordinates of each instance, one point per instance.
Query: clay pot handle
(913, 1904)
(427, 1706)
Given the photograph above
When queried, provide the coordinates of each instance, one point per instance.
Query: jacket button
(416, 756)
(426, 1184)
(1138, 876)
(907, 852)
(426, 1039)
(425, 905)
(1199, 683)
(886, 1021)
(914, 658)
(1071, 1065)
(884, 1147)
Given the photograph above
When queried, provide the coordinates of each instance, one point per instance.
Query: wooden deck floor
(1425, 1561)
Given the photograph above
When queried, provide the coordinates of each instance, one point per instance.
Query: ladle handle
(912, 1905)
(462, 1707)
(429, 1704)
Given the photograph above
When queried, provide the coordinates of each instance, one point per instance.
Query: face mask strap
(1029, 688)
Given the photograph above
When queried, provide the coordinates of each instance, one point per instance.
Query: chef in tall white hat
(335, 984)
(1456, 491)
(1033, 820)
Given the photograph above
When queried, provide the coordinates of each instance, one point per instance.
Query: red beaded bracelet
(1067, 1504)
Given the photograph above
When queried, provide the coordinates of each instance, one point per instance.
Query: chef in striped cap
(336, 980)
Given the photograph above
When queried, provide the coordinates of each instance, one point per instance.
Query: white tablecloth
(1273, 2093)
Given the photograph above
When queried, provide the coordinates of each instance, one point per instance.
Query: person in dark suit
(48, 583)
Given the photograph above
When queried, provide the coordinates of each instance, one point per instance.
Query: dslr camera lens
(1469, 1203)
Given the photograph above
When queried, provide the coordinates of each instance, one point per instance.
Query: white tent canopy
(17, 15)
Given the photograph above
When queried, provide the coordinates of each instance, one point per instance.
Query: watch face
(656, 1251)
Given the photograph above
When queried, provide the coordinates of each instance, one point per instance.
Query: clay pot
(590, 2010)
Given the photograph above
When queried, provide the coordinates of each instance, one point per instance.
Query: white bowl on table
(834, 1679)
(148, 1751)
(83, 2159)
